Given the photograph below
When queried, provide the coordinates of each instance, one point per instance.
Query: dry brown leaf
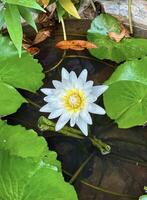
(118, 37)
(33, 50)
(41, 36)
(75, 45)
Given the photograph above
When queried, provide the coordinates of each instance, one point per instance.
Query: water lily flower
(72, 100)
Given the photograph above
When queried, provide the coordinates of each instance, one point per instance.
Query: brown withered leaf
(78, 45)
(41, 36)
(33, 50)
(118, 37)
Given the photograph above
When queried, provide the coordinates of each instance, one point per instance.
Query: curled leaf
(41, 36)
(118, 37)
(75, 45)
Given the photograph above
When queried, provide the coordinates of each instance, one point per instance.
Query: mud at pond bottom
(121, 173)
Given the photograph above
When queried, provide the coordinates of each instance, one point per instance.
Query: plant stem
(77, 173)
(33, 103)
(63, 28)
(93, 6)
(100, 189)
(58, 64)
(130, 16)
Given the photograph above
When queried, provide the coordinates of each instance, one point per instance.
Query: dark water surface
(124, 171)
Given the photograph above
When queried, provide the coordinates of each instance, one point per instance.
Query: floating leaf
(126, 49)
(75, 45)
(28, 170)
(126, 98)
(69, 7)
(143, 197)
(24, 73)
(24, 179)
(21, 142)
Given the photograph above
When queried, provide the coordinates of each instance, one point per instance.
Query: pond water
(119, 175)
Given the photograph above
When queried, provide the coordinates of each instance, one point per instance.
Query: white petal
(94, 108)
(91, 99)
(83, 75)
(57, 84)
(65, 74)
(47, 108)
(98, 90)
(73, 119)
(82, 125)
(73, 77)
(88, 85)
(56, 113)
(47, 91)
(66, 84)
(86, 116)
(50, 99)
(64, 118)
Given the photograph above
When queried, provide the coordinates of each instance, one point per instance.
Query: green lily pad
(23, 73)
(126, 99)
(126, 49)
(143, 197)
(21, 142)
(28, 170)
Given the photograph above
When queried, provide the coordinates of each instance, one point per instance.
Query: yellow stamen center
(74, 100)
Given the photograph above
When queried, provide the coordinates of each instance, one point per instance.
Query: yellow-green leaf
(69, 7)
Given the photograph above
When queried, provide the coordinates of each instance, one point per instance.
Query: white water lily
(72, 100)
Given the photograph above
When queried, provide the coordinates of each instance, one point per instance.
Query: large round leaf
(126, 98)
(24, 179)
(126, 49)
(24, 73)
(135, 70)
(28, 170)
(21, 142)
(126, 103)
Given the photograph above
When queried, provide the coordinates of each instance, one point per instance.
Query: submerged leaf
(75, 45)
(127, 49)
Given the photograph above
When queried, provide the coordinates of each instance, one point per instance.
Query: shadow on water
(124, 171)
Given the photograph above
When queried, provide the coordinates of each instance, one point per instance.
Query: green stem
(77, 173)
(63, 28)
(32, 103)
(130, 16)
(103, 147)
(47, 125)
